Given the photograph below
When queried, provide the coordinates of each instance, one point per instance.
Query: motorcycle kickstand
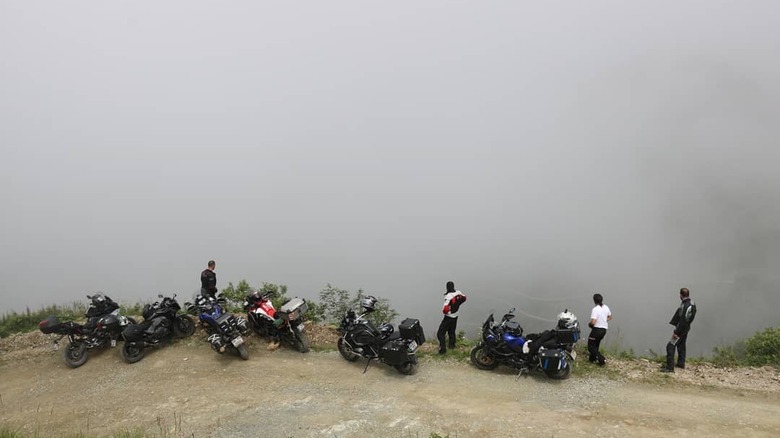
(520, 374)
(368, 362)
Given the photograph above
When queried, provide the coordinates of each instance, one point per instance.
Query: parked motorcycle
(285, 324)
(162, 322)
(360, 338)
(225, 329)
(551, 351)
(102, 329)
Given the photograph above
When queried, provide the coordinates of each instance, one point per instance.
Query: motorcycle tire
(75, 355)
(346, 351)
(407, 368)
(560, 374)
(242, 351)
(132, 353)
(184, 326)
(481, 359)
(301, 341)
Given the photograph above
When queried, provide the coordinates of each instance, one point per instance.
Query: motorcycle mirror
(89, 297)
(159, 295)
(512, 310)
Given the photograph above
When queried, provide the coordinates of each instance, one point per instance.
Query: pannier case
(50, 325)
(551, 359)
(410, 328)
(394, 353)
(133, 332)
(567, 336)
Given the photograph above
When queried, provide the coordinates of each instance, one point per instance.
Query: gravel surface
(185, 389)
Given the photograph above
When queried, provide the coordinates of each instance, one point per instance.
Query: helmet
(98, 299)
(368, 303)
(567, 320)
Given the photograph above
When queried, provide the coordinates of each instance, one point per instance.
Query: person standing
(452, 301)
(682, 319)
(599, 323)
(208, 281)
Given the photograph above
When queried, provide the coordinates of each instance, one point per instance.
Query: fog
(532, 153)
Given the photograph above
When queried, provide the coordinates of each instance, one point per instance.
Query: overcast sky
(533, 153)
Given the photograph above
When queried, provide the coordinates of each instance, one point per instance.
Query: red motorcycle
(284, 324)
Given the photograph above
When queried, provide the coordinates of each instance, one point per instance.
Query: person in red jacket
(452, 301)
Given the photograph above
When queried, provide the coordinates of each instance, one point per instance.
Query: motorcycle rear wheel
(132, 353)
(301, 341)
(242, 351)
(346, 351)
(184, 326)
(481, 359)
(561, 374)
(75, 355)
(406, 368)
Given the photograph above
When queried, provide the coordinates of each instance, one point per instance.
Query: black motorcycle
(225, 329)
(102, 329)
(361, 338)
(161, 323)
(285, 324)
(552, 351)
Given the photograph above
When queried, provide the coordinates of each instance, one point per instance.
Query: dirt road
(188, 390)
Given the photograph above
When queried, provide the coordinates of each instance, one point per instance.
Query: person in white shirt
(452, 301)
(599, 318)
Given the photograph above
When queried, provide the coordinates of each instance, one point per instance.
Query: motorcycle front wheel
(132, 353)
(242, 351)
(301, 341)
(482, 359)
(184, 326)
(346, 351)
(75, 354)
(406, 368)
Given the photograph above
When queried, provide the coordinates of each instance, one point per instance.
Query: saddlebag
(294, 309)
(551, 359)
(51, 325)
(567, 336)
(133, 332)
(410, 328)
(394, 353)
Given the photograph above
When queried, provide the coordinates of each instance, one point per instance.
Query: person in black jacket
(208, 281)
(682, 319)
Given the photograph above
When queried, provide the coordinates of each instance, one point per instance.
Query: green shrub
(335, 302)
(27, 321)
(763, 348)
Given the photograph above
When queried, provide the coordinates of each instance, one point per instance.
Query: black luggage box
(567, 336)
(394, 353)
(551, 359)
(50, 325)
(410, 328)
(133, 332)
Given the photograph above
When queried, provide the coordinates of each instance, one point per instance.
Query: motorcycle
(285, 324)
(225, 329)
(361, 338)
(162, 322)
(504, 344)
(102, 329)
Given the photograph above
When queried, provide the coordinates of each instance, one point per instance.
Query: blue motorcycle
(504, 344)
(226, 331)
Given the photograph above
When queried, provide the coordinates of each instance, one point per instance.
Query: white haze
(532, 153)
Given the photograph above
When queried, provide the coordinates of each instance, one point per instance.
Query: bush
(236, 295)
(27, 321)
(335, 302)
(763, 348)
